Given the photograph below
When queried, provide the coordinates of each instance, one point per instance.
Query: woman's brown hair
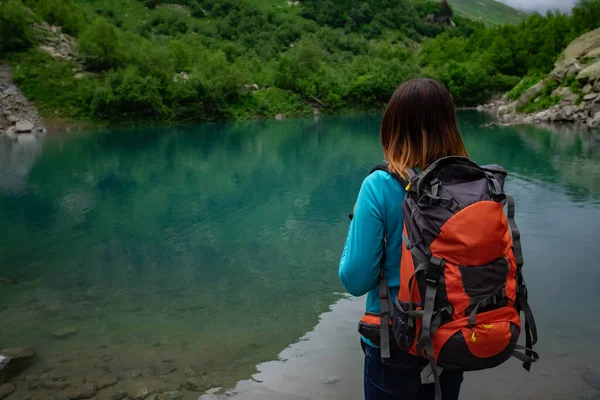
(419, 126)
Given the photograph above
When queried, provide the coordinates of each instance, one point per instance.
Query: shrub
(100, 45)
(128, 96)
(15, 26)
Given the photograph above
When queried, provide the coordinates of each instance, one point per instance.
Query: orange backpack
(461, 283)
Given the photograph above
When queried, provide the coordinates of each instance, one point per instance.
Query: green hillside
(489, 11)
(161, 61)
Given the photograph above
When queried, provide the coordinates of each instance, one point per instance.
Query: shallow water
(216, 246)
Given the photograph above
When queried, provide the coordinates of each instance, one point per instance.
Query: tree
(15, 26)
(445, 10)
(100, 45)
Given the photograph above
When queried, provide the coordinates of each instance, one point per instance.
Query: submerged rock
(175, 395)
(6, 389)
(65, 333)
(198, 384)
(592, 378)
(14, 361)
(189, 371)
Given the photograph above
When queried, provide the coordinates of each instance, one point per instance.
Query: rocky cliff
(570, 93)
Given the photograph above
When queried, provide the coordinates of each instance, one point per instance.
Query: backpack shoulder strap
(401, 180)
(385, 303)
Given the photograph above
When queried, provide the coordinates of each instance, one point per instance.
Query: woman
(418, 127)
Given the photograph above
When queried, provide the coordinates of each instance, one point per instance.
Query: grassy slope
(488, 11)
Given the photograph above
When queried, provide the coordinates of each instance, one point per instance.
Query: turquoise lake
(156, 254)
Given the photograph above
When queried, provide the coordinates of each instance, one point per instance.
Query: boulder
(597, 86)
(592, 54)
(557, 115)
(587, 88)
(567, 96)
(11, 91)
(543, 116)
(24, 126)
(594, 108)
(79, 75)
(594, 122)
(280, 117)
(531, 93)
(590, 73)
(591, 96)
(564, 68)
(569, 113)
(582, 45)
(14, 361)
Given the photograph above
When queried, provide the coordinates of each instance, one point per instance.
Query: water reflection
(17, 158)
(216, 246)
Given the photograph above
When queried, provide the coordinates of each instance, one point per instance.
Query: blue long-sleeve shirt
(378, 212)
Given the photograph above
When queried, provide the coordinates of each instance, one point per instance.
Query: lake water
(209, 250)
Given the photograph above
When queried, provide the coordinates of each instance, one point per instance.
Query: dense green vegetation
(189, 60)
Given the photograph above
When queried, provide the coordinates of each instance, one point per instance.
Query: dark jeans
(399, 378)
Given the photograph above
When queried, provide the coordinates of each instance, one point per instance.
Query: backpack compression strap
(531, 337)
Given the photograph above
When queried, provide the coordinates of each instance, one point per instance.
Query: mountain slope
(489, 11)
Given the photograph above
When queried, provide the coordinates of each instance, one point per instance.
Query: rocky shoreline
(17, 115)
(162, 381)
(573, 87)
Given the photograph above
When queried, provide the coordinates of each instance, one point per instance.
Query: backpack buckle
(436, 266)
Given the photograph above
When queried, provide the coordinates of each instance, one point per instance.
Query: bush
(15, 26)
(100, 45)
(129, 96)
(64, 13)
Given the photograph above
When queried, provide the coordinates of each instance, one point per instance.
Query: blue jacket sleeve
(361, 257)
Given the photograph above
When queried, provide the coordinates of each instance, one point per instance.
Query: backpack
(461, 283)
